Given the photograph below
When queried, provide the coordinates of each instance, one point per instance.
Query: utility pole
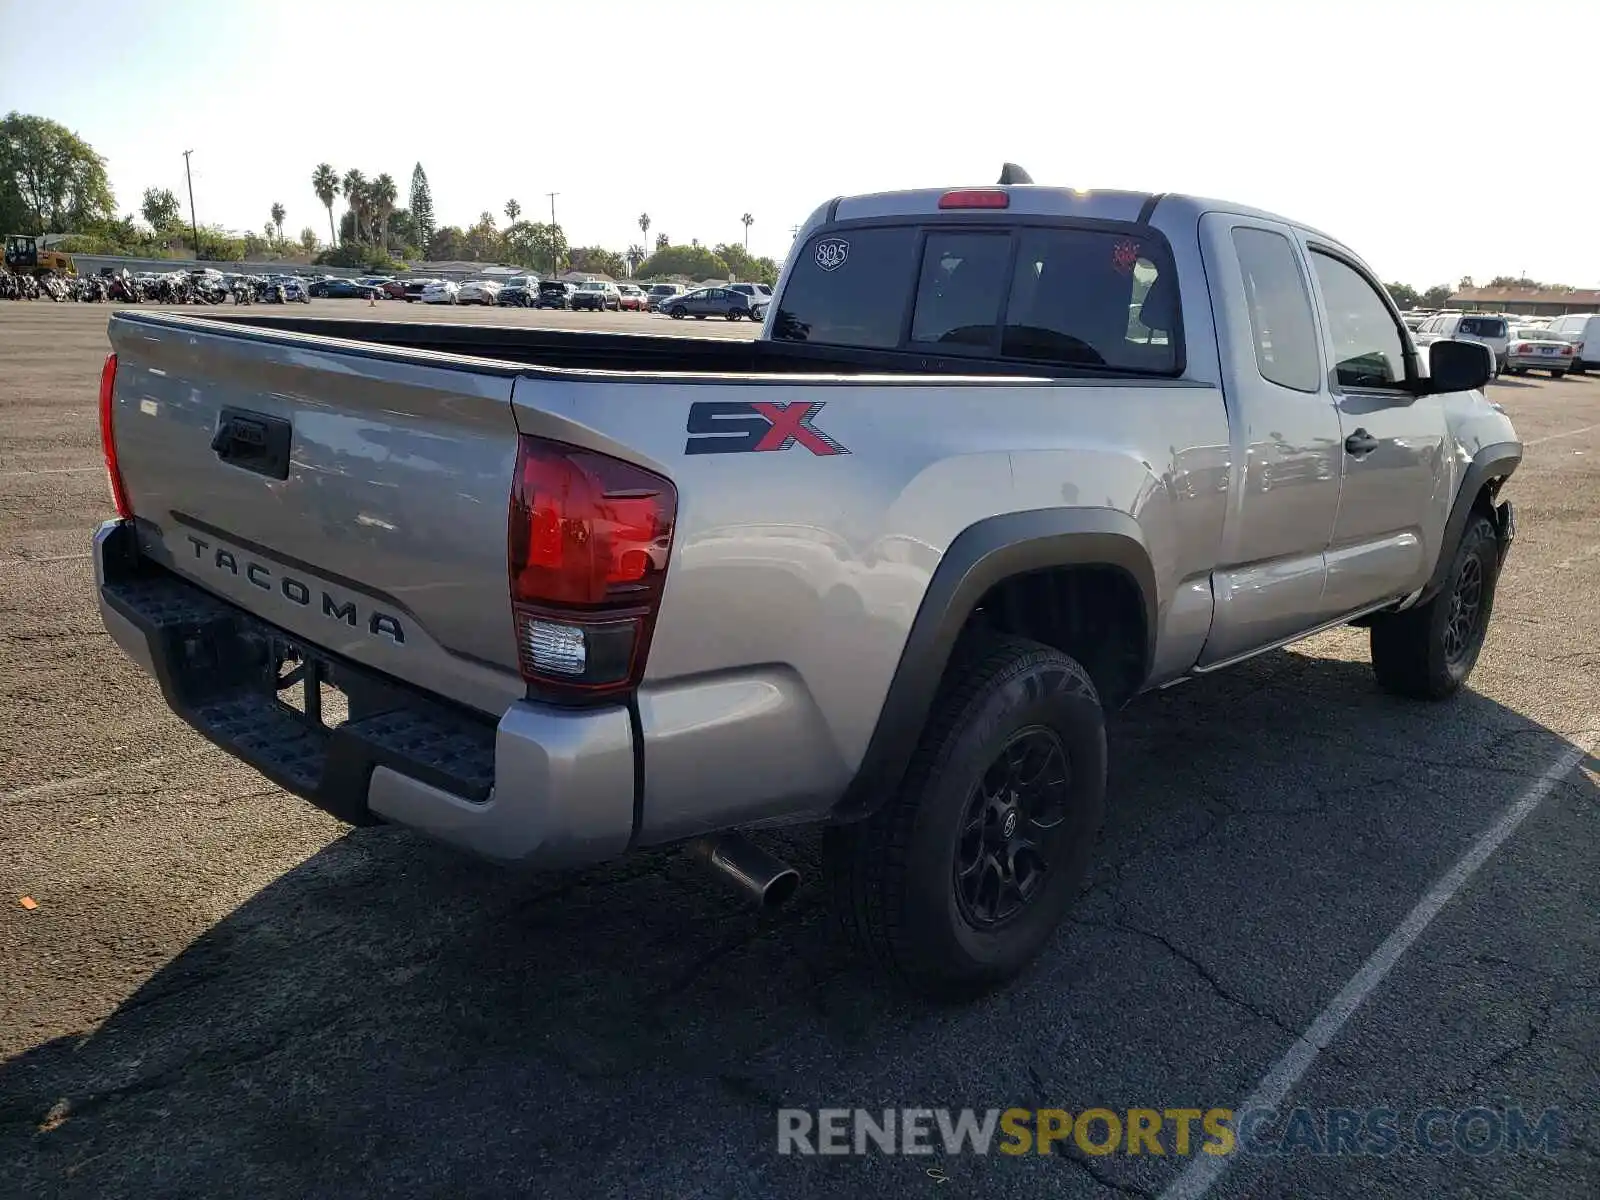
(555, 258)
(194, 225)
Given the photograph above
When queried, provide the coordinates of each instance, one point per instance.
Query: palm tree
(635, 257)
(355, 198)
(384, 196)
(513, 211)
(748, 221)
(644, 227)
(325, 182)
(277, 218)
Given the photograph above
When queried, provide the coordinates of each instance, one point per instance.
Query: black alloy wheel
(1012, 828)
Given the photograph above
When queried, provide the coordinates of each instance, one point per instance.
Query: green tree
(540, 247)
(308, 240)
(1437, 296)
(1403, 294)
(644, 227)
(403, 238)
(448, 244)
(513, 211)
(596, 260)
(634, 257)
(383, 196)
(277, 218)
(662, 241)
(422, 209)
(325, 182)
(694, 261)
(483, 239)
(160, 209)
(59, 179)
(355, 199)
(748, 221)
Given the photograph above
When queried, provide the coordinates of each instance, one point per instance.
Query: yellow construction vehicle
(26, 256)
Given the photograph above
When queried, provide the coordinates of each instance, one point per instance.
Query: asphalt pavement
(221, 990)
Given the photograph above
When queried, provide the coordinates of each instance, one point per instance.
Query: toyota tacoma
(1003, 458)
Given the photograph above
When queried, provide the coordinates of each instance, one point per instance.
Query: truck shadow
(390, 1018)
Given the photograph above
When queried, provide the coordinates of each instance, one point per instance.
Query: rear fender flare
(981, 556)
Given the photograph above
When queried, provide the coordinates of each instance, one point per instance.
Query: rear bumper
(542, 786)
(1540, 362)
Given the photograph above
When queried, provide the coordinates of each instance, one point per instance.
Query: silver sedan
(1533, 349)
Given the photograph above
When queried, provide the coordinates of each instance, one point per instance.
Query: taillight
(590, 536)
(975, 198)
(1524, 348)
(1567, 349)
(108, 439)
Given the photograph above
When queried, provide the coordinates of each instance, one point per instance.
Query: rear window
(1092, 297)
(1483, 326)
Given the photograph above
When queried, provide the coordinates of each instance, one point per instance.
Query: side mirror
(1457, 367)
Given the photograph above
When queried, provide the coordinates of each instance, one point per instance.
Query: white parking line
(23, 562)
(1554, 436)
(49, 471)
(64, 785)
(1203, 1171)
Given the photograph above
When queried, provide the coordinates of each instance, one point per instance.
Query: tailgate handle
(253, 441)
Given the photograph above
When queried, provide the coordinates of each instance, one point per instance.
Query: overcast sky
(1437, 139)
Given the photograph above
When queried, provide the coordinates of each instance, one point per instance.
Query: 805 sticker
(831, 253)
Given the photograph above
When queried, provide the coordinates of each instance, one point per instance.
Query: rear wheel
(959, 879)
(1428, 651)
(677, 312)
(733, 314)
(1558, 374)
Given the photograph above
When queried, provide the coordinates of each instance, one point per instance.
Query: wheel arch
(1490, 467)
(982, 557)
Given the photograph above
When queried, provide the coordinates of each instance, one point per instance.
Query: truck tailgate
(352, 496)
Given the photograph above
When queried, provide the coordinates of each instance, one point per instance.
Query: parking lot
(222, 989)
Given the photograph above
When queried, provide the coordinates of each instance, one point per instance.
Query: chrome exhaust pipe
(760, 877)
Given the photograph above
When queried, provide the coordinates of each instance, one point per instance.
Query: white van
(1483, 328)
(1583, 331)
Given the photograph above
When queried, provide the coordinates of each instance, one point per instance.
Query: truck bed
(654, 353)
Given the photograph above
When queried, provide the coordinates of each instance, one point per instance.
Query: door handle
(1360, 443)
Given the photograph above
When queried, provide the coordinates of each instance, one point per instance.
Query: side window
(1367, 348)
(848, 289)
(1280, 310)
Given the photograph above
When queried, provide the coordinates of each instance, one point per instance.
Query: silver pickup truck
(1003, 459)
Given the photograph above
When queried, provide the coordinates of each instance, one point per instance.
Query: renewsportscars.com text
(1477, 1131)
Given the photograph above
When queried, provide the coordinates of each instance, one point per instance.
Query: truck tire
(958, 880)
(1428, 651)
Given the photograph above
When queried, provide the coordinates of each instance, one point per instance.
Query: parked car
(632, 296)
(415, 287)
(759, 294)
(479, 291)
(1583, 331)
(377, 281)
(520, 291)
(709, 302)
(441, 291)
(1486, 330)
(394, 289)
(659, 293)
(1530, 349)
(554, 293)
(906, 613)
(343, 289)
(596, 294)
